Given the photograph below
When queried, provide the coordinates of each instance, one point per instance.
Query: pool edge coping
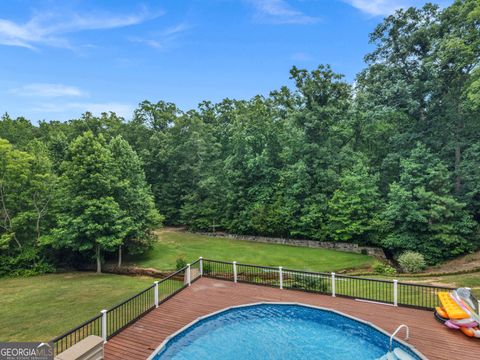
(170, 337)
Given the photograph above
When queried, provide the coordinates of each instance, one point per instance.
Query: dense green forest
(392, 160)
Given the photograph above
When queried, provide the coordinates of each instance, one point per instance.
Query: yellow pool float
(459, 312)
(451, 307)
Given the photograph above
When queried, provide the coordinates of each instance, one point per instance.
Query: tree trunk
(458, 179)
(120, 256)
(99, 263)
(460, 125)
(37, 229)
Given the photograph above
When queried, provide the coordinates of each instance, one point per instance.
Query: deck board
(205, 296)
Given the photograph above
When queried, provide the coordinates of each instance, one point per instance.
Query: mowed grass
(471, 280)
(172, 245)
(42, 307)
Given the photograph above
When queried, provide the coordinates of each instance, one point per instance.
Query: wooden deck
(205, 296)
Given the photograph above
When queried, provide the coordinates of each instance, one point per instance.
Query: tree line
(392, 160)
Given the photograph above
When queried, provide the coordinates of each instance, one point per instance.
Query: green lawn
(466, 280)
(174, 244)
(42, 307)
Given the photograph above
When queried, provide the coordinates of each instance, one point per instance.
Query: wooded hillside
(392, 160)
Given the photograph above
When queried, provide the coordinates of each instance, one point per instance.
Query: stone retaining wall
(348, 247)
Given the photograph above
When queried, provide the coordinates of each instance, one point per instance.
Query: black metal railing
(364, 289)
(172, 284)
(218, 269)
(261, 275)
(385, 291)
(121, 315)
(307, 281)
(110, 322)
(113, 320)
(420, 295)
(71, 337)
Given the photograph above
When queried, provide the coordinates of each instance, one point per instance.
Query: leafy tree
(133, 195)
(43, 187)
(470, 172)
(251, 166)
(353, 210)
(318, 160)
(27, 186)
(18, 132)
(15, 166)
(90, 220)
(457, 56)
(322, 114)
(422, 215)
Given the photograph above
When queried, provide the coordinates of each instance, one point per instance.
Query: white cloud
(50, 28)
(279, 12)
(47, 90)
(121, 109)
(382, 7)
(163, 39)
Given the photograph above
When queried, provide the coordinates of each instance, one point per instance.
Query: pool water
(278, 331)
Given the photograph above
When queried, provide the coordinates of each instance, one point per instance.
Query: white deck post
(189, 277)
(201, 265)
(395, 292)
(280, 274)
(234, 271)
(333, 285)
(156, 293)
(104, 325)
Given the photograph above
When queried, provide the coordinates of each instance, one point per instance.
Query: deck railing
(386, 291)
(109, 322)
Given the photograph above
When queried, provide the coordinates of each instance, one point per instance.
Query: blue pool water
(278, 331)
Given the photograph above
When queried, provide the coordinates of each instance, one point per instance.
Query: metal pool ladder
(395, 333)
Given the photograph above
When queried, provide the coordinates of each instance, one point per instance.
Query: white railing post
(334, 290)
(234, 271)
(156, 293)
(395, 292)
(104, 325)
(280, 274)
(189, 275)
(201, 265)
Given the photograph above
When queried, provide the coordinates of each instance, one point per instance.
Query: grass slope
(42, 307)
(174, 244)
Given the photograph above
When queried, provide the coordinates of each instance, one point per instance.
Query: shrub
(412, 262)
(310, 283)
(469, 258)
(383, 269)
(180, 263)
(26, 263)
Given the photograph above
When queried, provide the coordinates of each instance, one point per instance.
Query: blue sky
(59, 59)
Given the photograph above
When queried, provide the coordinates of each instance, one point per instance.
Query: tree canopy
(391, 160)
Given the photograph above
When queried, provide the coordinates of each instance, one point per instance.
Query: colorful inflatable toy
(458, 312)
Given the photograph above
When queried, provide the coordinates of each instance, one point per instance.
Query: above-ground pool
(278, 331)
